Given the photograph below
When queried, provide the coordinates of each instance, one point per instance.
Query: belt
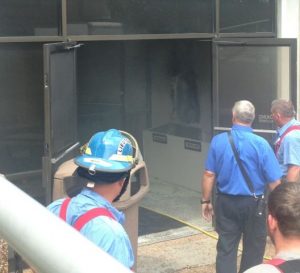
(239, 195)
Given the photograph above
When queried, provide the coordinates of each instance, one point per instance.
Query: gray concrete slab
(176, 201)
(177, 249)
(175, 255)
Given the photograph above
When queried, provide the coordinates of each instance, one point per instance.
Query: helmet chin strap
(124, 187)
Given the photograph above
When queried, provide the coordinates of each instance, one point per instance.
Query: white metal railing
(44, 241)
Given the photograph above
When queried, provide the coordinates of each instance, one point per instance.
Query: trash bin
(67, 183)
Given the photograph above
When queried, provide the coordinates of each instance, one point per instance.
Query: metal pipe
(44, 241)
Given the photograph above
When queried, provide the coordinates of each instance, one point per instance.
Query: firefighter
(104, 165)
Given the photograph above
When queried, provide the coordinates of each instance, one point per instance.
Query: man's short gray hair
(283, 107)
(244, 111)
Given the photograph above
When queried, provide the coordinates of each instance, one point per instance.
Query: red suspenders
(63, 209)
(278, 143)
(276, 263)
(291, 266)
(86, 217)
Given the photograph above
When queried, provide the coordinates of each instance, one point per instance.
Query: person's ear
(277, 116)
(272, 223)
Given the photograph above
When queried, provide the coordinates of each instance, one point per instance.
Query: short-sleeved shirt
(256, 155)
(268, 268)
(105, 232)
(289, 150)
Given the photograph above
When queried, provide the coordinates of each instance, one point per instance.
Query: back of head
(244, 111)
(284, 206)
(106, 158)
(283, 107)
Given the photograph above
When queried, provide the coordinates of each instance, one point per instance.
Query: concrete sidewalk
(190, 254)
(184, 249)
(185, 254)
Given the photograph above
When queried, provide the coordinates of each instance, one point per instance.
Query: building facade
(167, 71)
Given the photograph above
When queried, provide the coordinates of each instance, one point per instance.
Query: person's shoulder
(219, 136)
(263, 268)
(292, 130)
(258, 137)
(292, 136)
(55, 204)
(106, 225)
(259, 140)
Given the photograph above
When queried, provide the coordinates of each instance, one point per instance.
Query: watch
(205, 202)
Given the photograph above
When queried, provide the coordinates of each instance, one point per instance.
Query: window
(245, 16)
(139, 16)
(29, 18)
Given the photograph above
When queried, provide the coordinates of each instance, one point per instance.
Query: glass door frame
(51, 158)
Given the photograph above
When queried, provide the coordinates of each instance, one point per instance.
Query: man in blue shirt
(236, 205)
(287, 144)
(105, 167)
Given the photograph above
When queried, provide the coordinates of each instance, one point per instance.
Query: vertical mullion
(64, 18)
(217, 18)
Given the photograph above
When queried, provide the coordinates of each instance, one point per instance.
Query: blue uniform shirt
(289, 150)
(103, 231)
(255, 154)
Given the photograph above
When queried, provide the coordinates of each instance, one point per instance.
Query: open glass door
(61, 140)
(259, 70)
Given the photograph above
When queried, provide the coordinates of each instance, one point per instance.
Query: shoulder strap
(291, 266)
(63, 209)
(276, 262)
(91, 214)
(238, 160)
(86, 217)
(291, 128)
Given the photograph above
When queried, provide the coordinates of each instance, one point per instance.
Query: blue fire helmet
(108, 151)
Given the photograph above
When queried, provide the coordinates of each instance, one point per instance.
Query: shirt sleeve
(291, 148)
(272, 170)
(210, 163)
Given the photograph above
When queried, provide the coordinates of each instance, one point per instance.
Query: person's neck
(284, 121)
(242, 124)
(287, 244)
(105, 191)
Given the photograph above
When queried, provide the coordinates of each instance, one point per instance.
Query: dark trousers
(235, 218)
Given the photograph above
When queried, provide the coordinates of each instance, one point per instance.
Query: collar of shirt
(242, 128)
(100, 201)
(288, 255)
(281, 130)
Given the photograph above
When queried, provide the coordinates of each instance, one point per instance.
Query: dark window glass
(100, 87)
(21, 107)
(29, 18)
(247, 16)
(61, 130)
(139, 16)
(259, 74)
